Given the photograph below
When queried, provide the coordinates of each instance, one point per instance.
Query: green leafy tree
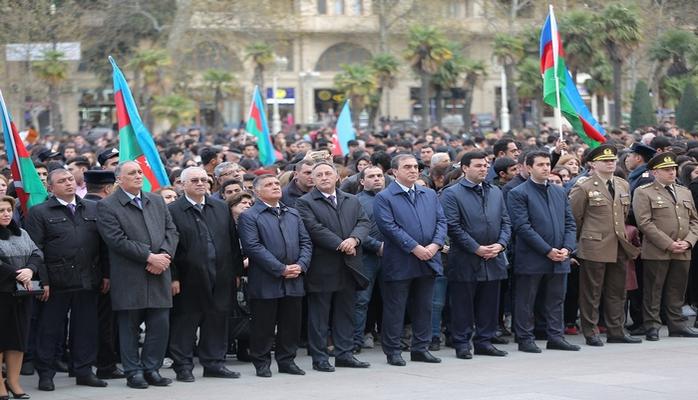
(222, 84)
(642, 114)
(687, 111)
(671, 88)
(53, 71)
(530, 86)
(385, 68)
(358, 83)
(261, 54)
(446, 77)
(579, 39)
(475, 72)
(509, 50)
(175, 108)
(427, 50)
(674, 47)
(619, 29)
(148, 66)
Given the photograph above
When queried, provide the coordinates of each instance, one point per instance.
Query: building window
(357, 7)
(322, 7)
(338, 7)
(342, 53)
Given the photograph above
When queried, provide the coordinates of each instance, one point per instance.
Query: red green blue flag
(135, 142)
(30, 189)
(556, 78)
(257, 126)
(344, 131)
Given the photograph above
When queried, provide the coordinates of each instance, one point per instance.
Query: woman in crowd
(168, 193)
(4, 183)
(19, 260)
(571, 162)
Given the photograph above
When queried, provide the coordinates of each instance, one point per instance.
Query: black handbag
(34, 290)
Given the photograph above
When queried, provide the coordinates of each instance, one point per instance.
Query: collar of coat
(471, 185)
(396, 190)
(53, 202)
(185, 204)
(124, 199)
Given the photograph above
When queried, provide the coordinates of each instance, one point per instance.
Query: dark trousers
(572, 297)
(157, 329)
(474, 313)
(667, 279)
(107, 351)
(213, 339)
(284, 314)
(635, 296)
(83, 332)
(342, 305)
(598, 279)
(419, 292)
(527, 286)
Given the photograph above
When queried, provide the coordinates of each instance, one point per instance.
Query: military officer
(600, 204)
(666, 216)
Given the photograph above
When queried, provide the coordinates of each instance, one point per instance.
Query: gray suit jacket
(131, 235)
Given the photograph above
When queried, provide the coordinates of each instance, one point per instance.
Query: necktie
(478, 190)
(412, 195)
(71, 207)
(671, 192)
(138, 202)
(199, 207)
(611, 189)
(333, 200)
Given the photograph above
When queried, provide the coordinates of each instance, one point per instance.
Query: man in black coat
(337, 226)
(279, 248)
(203, 278)
(301, 184)
(65, 229)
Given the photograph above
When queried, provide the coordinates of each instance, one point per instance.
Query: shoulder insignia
(582, 179)
(646, 185)
(645, 174)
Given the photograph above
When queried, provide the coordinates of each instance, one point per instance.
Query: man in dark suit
(545, 237)
(279, 248)
(301, 184)
(64, 228)
(413, 225)
(142, 240)
(479, 228)
(100, 184)
(337, 226)
(203, 278)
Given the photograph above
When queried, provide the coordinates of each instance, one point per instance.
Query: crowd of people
(414, 240)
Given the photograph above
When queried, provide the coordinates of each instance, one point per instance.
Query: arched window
(342, 53)
(206, 55)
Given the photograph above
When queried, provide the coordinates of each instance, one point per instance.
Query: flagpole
(553, 29)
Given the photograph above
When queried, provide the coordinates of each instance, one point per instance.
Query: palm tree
(446, 77)
(53, 70)
(175, 108)
(600, 83)
(530, 86)
(674, 46)
(579, 39)
(148, 66)
(385, 67)
(509, 49)
(222, 83)
(427, 50)
(261, 55)
(475, 71)
(358, 83)
(619, 27)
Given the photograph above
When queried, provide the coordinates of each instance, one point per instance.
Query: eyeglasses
(197, 180)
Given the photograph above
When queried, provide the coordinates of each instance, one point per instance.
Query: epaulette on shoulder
(581, 179)
(646, 185)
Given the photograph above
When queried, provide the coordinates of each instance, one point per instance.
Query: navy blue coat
(475, 221)
(374, 240)
(271, 243)
(404, 226)
(542, 220)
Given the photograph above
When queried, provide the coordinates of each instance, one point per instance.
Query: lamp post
(307, 90)
(505, 106)
(280, 64)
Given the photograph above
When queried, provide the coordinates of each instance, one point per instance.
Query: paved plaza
(651, 370)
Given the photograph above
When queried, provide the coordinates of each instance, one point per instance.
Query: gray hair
(321, 163)
(120, 166)
(439, 157)
(218, 171)
(54, 172)
(187, 172)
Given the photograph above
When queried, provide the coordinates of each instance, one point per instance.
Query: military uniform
(665, 214)
(602, 248)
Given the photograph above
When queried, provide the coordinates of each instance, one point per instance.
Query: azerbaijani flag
(552, 67)
(30, 189)
(135, 142)
(257, 126)
(344, 131)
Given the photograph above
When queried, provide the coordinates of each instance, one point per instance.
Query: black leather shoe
(424, 356)
(623, 339)
(490, 351)
(221, 372)
(60, 366)
(529, 347)
(263, 371)
(435, 344)
(27, 368)
(350, 362)
(464, 354)
(291, 368)
(499, 340)
(90, 380)
(686, 332)
(594, 341)
(154, 378)
(45, 384)
(561, 344)
(637, 331)
(396, 360)
(185, 376)
(323, 366)
(136, 381)
(652, 334)
(114, 373)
